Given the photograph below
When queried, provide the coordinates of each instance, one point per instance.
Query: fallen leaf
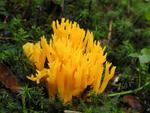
(132, 102)
(9, 79)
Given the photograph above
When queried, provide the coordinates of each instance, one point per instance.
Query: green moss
(27, 20)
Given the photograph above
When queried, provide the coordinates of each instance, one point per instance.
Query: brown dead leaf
(9, 79)
(132, 102)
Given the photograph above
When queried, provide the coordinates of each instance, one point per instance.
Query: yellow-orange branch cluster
(75, 61)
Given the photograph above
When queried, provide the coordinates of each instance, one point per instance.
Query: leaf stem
(128, 92)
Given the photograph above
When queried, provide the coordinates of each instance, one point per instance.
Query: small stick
(110, 30)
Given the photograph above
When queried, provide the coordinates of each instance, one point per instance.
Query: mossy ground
(123, 26)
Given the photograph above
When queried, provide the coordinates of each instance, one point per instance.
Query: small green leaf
(59, 2)
(147, 15)
(146, 51)
(145, 57)
(146, 32)
(135, 55)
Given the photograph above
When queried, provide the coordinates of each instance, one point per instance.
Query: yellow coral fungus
(74, 61)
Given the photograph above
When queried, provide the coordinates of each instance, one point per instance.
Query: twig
(110, 30)
(6, 39)
(62, 6)
(27, 9)
(5, 19)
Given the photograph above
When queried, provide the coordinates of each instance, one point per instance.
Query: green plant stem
(128, 92)
(139, 80)
(23, 104)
